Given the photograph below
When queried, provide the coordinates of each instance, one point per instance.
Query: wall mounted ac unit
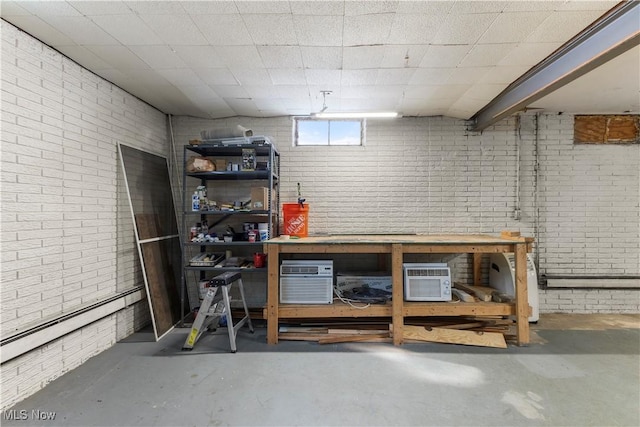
(427, 282)
(306, 282)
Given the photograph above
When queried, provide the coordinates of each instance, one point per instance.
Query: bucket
(296, 219)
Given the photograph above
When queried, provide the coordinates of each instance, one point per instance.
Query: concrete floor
(578, 371)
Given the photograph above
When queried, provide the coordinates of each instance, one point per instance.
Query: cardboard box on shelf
(259, 198)
(374, 280)
(221, 164)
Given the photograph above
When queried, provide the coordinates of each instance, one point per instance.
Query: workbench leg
(522, 295)
(477, 269)
(273, 263)
(397, 300)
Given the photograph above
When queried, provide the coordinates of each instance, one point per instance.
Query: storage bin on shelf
(296, 219)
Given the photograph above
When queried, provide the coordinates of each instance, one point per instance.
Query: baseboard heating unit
(306, 282)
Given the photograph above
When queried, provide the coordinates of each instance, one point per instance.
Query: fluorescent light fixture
(346, 115)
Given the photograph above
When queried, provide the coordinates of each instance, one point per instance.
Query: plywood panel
(607, 129)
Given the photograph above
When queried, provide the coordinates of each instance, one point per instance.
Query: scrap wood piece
(351, 338)
(356, 331)
(294, 336)
(465, 297)
(482, 294)
(453, 336)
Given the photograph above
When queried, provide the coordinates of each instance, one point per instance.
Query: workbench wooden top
(421, 239)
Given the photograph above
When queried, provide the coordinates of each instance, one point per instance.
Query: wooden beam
(397, 298)
(522, 295)
(477, 268)
(273, 257)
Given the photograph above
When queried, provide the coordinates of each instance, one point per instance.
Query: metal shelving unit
(267, 153)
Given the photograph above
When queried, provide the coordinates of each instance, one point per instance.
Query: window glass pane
(313, 132)
(344, 132)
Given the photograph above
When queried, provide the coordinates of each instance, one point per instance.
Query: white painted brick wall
(66, 230)
(428, 175)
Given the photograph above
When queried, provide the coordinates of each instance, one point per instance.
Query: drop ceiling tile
(221, 30)
(317, 8)
(503, 75)
(175, 30)
(367, 7)
(532, 6)
(321, 57)
(318, 30)
(199, 56)
(513, 27)
(425, 7)
(477, 7)
(251, 76)
(449, 91)
(261, 91)
(280, 56)
(287, 76)
(243, 106)
(239, 56)
(82, 30)
(483, 92)
(601, 6)
(230, 91)
(367, 29)
(326, 78)
(84, 57)
(468, 75)
(388, 92)
(422, 92)
(263, 7)
(292, 91)
(145, 8)
(463, 29)
(40, 29)
(394, 76)
(50, 8)
(528, 54)
(118, 57)
(128, 29)
(218, 7)
(408, 56)
(144, 77)
(439, 56)
(198, 93)
(13, 8)
(94, 8)
(414, 29)
(561, 26)
(159, 57)
(268, 104)
(485, 55)
(273, 29)
(216, 76)
(362, 57)
(430, 76)
(181, 76)
(358, 77)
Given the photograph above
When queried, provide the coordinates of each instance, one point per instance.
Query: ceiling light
(323, 114)
(356, 115)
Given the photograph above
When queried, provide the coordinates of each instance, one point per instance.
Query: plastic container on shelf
(263, 231)
(296, 219)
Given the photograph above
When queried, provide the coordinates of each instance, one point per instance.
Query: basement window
(311, 131)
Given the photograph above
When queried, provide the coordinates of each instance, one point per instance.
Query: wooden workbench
(397, 246)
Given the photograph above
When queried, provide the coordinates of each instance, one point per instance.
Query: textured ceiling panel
(222, 58)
